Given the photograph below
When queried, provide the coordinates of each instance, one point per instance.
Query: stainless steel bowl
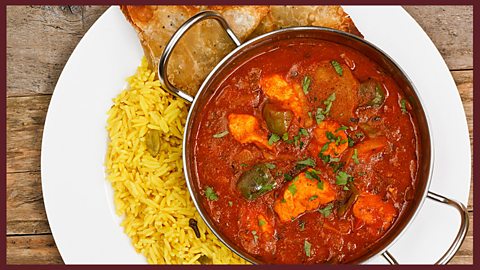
(241, 53)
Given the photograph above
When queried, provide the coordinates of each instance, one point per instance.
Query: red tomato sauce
(306, 153)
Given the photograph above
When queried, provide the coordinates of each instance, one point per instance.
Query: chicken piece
(256, 229)
(377, 214)
(201, 48)
(328, 139)
(301, 195)
(345, 86)
(289, 96)
(246, 129)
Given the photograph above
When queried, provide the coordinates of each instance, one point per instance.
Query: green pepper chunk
(371, 93)
(256, 182)
(277, 119)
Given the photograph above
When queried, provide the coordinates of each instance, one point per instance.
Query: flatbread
(201, 48)
(287, 16)
(205, 44)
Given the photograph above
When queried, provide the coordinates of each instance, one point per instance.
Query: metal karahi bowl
(260, 44)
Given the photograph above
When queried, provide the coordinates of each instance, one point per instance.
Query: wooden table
(39, 41)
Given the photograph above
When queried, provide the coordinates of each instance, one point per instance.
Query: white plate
(79, 201)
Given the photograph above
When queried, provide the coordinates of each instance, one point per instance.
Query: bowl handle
(448, 255)
(163, 63)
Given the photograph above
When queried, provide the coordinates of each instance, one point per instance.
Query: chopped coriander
(306, 84)
(403, 105)
(307, 162)
(301, 223)
(324, 158)
(330, 99)
(330, 136)
(334, 159)
(210, 194)
(343, 178)
(345, 188)
(307, 246)
(341, 128)
(310, 115)
(221, 134)
(261, 222)
(296, 140)
(359, 134)
(301, 144)
(303, 132)
(283, 200)
(273, 139)
(379, 96)
(337, 166)
(324, 148)
(243, 165)
(288, 177)
(312, 175)
(270, 166)
(292, 188)
(355, 156)
(313, 197)
(343, 141)
(350, 142)
(285, 136)
(319, 115)
(337, 67)
(230, 203)
(320, 185)
(327, 210)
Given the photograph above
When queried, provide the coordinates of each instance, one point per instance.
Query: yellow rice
(150, 192)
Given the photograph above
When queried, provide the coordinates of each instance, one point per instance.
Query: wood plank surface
(39, 41)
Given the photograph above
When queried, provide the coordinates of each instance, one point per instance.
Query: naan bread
(205, 44)
(201, 48)
(288, 16)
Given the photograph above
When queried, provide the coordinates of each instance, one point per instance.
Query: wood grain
(39, 41)
(33, 249)
(451, 30)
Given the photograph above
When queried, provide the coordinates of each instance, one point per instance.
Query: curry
(306, 153)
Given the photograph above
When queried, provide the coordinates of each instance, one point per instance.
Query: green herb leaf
(273, 139)
(319, 115)
(243, 165)
(324, 148)
(307, 162)
(343, 178)
(210, 194)
(350, 142)
(307, 246)
(306, 84)
(221, 134)
(283, 200)
(312, 175)
(301, 223)
(230, 203)
(313, 197)
(337, 67)
(270, 166)
(303, 132)
(327, 210)
(341, 128)
(285, 136)
(330, 136)
(403, 105)
(261, 222)
(288, 177)
(355, 156)
(292, 188)
(320, 185)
